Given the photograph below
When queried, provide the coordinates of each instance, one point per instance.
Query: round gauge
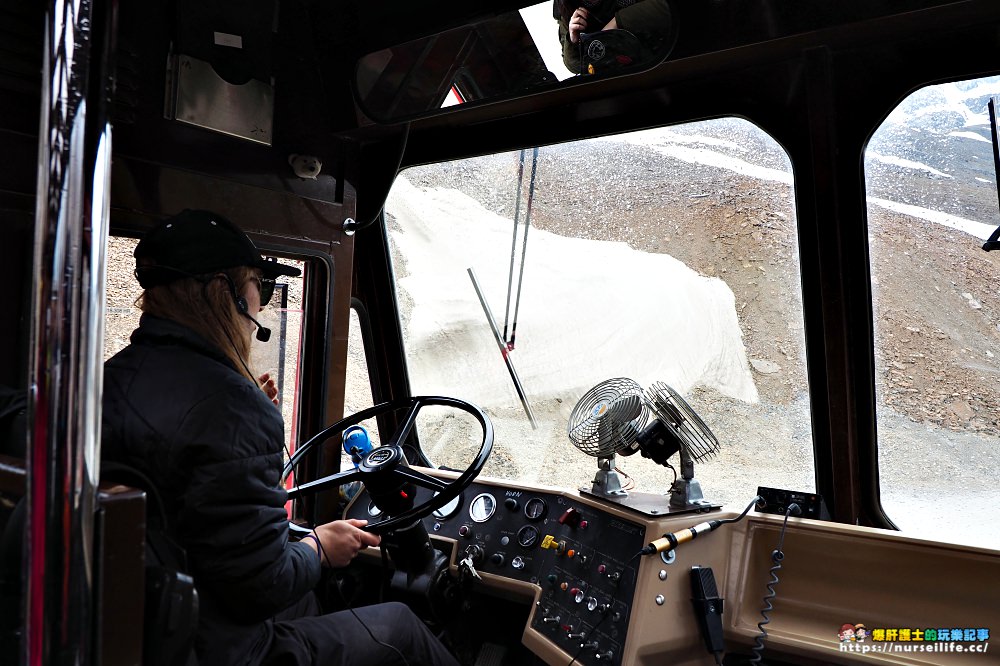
(449, 509)
(527, 536)
(482, 507)
(535, 508)
(373, 510)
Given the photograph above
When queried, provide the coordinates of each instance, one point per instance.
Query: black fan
(611, 419)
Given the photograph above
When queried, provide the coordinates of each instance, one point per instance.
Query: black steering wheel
(385, 472)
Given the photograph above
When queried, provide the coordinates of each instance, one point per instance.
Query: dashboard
(582, 558)
(593, 601)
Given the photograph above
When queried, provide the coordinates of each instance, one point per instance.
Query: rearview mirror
(513, 54)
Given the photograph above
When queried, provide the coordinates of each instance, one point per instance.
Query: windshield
(665, 256)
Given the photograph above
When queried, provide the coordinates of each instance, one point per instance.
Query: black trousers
(387, 634)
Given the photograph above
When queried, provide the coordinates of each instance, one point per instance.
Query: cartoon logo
(910, 639)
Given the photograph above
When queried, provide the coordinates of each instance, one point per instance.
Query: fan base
(649, 504)
(606, 482)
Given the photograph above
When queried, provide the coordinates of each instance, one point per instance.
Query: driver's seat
(135, 577)
(170, 618)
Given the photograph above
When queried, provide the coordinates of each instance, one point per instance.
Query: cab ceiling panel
(230, 89)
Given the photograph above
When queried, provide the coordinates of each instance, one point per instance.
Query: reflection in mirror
(606, 35)
(514, 53)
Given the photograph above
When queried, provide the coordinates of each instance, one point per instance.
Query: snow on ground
(970, 135)
(977, 229)
(665, 142)
(569, 347)
(947, 98)
(906, 164)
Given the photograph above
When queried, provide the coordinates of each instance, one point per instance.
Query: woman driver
(182, 407)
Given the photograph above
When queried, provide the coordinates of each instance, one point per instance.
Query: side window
(357, 384)
(666, 255)
(278, 357)
(123, 290)
(932, 201)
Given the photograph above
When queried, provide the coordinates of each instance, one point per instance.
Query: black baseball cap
(195, 242)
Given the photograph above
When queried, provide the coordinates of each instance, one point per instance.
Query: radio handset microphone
(708, 607)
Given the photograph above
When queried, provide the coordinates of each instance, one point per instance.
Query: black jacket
(177, 410)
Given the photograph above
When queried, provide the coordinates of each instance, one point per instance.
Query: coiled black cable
(777, 555)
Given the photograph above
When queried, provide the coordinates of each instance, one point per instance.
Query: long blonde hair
(206, 305)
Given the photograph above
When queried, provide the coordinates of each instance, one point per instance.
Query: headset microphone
(263, 333)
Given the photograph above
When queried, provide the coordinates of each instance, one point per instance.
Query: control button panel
(581, 557)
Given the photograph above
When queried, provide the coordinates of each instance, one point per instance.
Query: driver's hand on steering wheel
(342, 539)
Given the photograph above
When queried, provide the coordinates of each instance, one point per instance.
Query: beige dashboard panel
(831, 574)
(834, 574)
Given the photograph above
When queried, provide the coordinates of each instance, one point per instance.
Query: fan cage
(608, 417)
(676, 414)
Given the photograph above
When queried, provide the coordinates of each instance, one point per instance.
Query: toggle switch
(571, 517)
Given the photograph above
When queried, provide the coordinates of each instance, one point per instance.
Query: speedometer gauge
(482, 507)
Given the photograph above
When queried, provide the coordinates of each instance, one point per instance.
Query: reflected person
(646, 32)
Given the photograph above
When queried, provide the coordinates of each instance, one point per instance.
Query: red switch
(570, 517)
